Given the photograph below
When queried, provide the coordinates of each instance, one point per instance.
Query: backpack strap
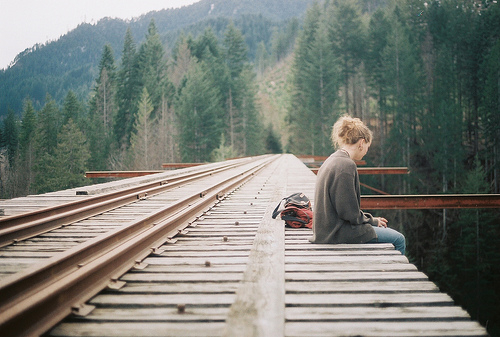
(279, 209)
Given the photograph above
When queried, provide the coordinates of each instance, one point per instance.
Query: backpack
(295, 210)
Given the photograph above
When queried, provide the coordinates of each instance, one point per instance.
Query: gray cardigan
(337, 215)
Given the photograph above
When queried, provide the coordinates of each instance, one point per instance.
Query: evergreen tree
(181, 62)
(490, 111)
(315, 79)
(197, 109)
(251, 129)
(244, 127)
(152, 66)
(45, 143)
(104, 100)
(68, 162)
(206, 44)
(11, 136)
(72, 109)
(283, 40)
(379, 33)
(143, 139)
(27, 146)
(273, 143)
(128, 89)
(102, 112)
(471, 260)
(347, 34)
(262, 58)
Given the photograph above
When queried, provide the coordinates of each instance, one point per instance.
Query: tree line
(196, 105)
(425, 75)
(71, 62)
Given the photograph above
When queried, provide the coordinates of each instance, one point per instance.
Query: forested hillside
(424, 75)
(72, 61)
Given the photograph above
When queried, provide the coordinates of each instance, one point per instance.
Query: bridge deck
(238, 272)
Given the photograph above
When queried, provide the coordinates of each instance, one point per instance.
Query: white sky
(24, 23)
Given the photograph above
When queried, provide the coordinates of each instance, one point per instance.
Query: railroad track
(220, 268)
(132, 224)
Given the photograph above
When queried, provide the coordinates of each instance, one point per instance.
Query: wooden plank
(321, 253)
(290, 267)
(213, 253)
(346, 259)
(151, 329)
(384, 329)
(353, 314)
(216, 246)
(301, 243)
(182, 277)
(197, 260)
(153, 300)
(213, 268)
(258, 309)
(357, 276)
(179, 288)
(368, 299)
(191, 314)
(360, 287)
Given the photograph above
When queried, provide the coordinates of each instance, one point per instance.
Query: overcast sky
(24, 23)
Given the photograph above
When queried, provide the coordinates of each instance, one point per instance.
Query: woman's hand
(382, 222)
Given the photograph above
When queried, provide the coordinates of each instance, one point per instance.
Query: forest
(424, 75)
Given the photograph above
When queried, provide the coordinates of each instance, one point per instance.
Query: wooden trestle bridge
(195, 252)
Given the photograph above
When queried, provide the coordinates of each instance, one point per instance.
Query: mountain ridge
(71, 62)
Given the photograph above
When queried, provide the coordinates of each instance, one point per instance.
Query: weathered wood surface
(201, 272)
(236, 272)
(366, 292)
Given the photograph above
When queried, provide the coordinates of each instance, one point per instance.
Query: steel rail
(120, 174)
(31, 302)
(383, 170)
(436, 201)
(19, 227)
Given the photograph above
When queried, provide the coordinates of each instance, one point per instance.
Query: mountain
(71, 62)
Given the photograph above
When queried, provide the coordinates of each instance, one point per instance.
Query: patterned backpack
(295, 210)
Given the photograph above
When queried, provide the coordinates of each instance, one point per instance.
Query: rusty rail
(383, 170)
(22, 226)
(47, 293)
(375, 170)
(119, 174)
(180, 165)
(436, 201)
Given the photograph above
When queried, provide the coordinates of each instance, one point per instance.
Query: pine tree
(27, 146)
(273, 143)
(45, 143)
(11, 136)
(347, 34)
(128, 90)
(244, 127)
(197, 109)
(69, 160)
(181, 62)
(143, 140)
(472, 253)
(152, 66)
(379, 32)
(490, 111)
(315, 80)
(72, 109)
(102, 112)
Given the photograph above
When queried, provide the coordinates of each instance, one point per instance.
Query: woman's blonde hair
(348, 130)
